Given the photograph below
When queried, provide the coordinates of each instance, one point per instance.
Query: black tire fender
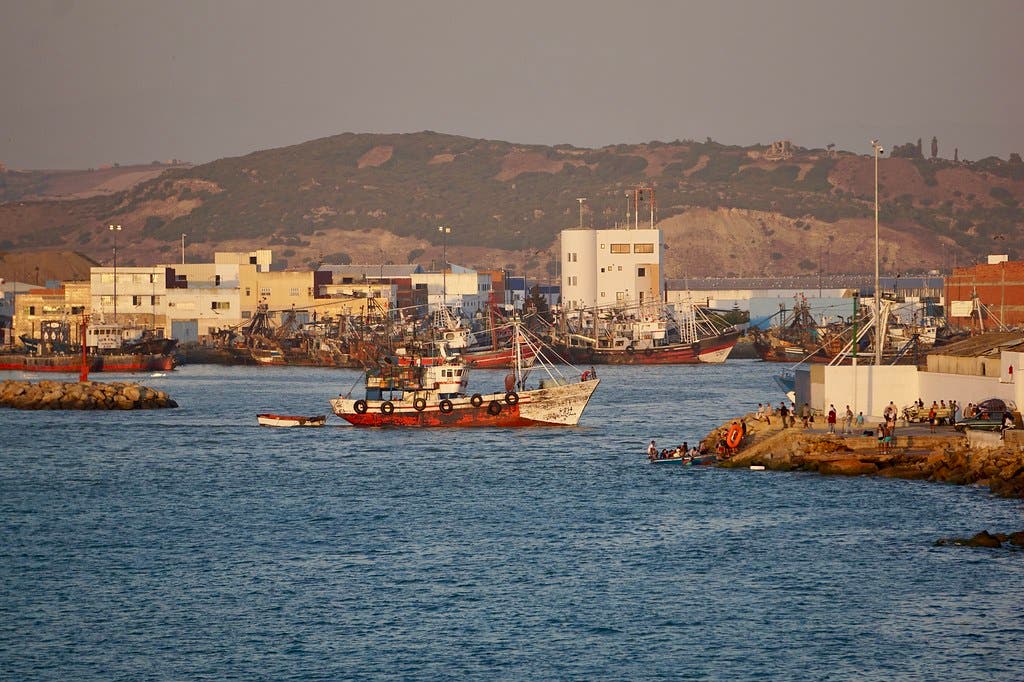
(511, 397)
(387, 408)
(477, 400)
(494, 408)
(360, 407)
(419, 404)
(446, 406)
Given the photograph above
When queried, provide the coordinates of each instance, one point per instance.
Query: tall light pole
(445, 231)
(115, 229)
(183, 235)
(581, 200)
(878, 151)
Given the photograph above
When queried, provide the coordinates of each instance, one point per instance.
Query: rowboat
(284, 420)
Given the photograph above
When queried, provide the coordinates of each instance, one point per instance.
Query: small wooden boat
(290, 420)
(685, 459)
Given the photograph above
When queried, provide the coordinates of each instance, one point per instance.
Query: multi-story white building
(461, 289)
(137, 299)
(611, 268)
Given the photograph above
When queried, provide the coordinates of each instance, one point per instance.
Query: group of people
(789, 414)
(684, 450)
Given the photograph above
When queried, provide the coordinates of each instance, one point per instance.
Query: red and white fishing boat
(290, 420)
(438, 395)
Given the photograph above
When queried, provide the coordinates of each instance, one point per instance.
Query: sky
(94, 82)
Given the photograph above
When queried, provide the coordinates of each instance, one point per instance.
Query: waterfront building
(137, 299)
(611, 268)
(978, 368)
(462, 289)
(987, 296)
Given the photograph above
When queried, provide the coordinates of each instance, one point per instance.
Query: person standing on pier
(832, 419)
(848, 421)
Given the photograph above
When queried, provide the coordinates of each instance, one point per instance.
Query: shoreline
(916, 453)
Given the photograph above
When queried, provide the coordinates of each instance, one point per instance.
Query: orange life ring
(735, 435)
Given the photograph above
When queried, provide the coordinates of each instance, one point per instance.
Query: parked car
(991, 420)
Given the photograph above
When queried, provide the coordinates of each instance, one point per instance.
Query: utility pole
(114, 229)
(878, 323)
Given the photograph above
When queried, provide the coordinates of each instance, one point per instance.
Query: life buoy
(360, 407)
(387, 407)
(511, 397)
(477, 400)
(494, 408)
(445, 406)
(735, 435)
(648, 352)
(419, 404)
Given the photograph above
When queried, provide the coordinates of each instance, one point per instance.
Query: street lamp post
(115, 229)
(445, 231)
(878, 151)
(183, 235)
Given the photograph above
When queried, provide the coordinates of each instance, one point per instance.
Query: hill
(368, 197)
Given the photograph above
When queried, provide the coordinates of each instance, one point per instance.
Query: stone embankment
(916, 453)
(86, 395)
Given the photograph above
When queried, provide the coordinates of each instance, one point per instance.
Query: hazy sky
(91, 82)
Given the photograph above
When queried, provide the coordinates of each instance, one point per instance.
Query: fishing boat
(283, 420)
(671, 336)
(417, 395)
(107, 350)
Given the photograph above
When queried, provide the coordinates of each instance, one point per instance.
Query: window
(107, 278)
(294, 291)
(106, 300)
(246, 314)
(264, 291)
(620, 268)
(620, 296)
(248, 291)
(77, 309)
(181, 278)
(154, 300)
(620, 248)
(216, 280)
(643, 248)
(220, 305)
(252, 260)
(136, 300)
(641, 272)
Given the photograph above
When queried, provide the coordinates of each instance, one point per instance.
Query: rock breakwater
(86, 395)
(944, 456)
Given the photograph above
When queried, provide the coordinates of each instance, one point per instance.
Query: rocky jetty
(985, 539)
(944, 456)
(86, 395)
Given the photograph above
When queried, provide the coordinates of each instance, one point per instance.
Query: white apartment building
(205, 297)
(137, 299)
(611, 268)
(461, 289)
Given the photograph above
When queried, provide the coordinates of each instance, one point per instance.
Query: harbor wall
(864, 388)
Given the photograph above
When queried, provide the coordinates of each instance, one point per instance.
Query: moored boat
(283, 420)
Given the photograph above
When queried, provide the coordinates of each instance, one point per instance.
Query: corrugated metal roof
(982, 344)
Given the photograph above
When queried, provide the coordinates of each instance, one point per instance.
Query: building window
(643, 248)
(252, 260)
(641, 272)
(220, 305)
(154, 300)
(264, 291)
(136, 300)
(181, 278)
(248, 291)
(294, 291)
(246, 314)
(77, 309)
(620, 268)
(216, 280)
(620, 296)
(620, 248)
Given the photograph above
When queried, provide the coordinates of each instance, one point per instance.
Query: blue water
(191, 544)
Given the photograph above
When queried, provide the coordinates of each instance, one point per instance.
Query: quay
(947, 456)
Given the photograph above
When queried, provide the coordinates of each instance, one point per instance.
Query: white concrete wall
(594, 276)
(869, 389)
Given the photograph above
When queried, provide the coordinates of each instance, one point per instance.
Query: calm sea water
(191, 544)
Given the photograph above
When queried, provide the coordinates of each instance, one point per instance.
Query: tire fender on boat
(477, 400)
(445, 406)
(630, 349)
(419, 404)
(360, 407)
(494, 408)
(387, 407)
(511, 397)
